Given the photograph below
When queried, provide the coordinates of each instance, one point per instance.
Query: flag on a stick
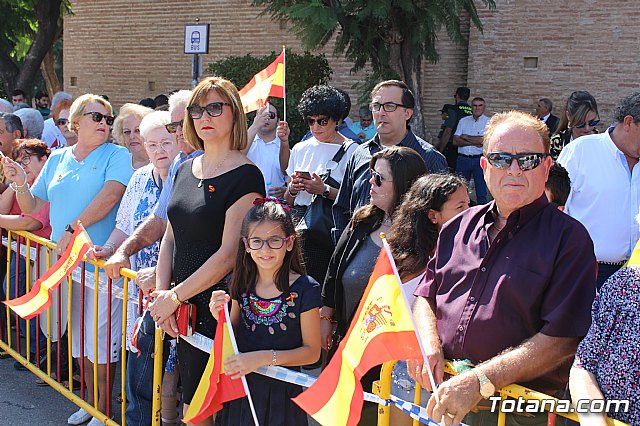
(39, 298)
(268, 82)
(382, 330)
(216, 387)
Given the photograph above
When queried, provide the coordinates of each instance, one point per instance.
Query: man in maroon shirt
(511, 284)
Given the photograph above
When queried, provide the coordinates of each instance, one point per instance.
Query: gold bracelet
(331, 320)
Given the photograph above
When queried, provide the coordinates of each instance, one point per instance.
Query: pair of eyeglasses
(62, 122)
(592, 123)
(173, 126)
(321, 121)
(377, 178)
(273, 243)
(98, 117)
(26, 160)
(528, 161)
(155, 146)
(214, 109)
(387, 106)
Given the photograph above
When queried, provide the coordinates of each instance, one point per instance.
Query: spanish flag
(216, 387)
(268, 82)
(382, 330)
(39, 298)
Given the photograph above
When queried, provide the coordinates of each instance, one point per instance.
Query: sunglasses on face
(62, 122)
(273, 243)
(173, 126)
(387, 106)
(155, 146)
(272, 115)
(214, 109)
(321, 121)
(592, 123)
(502, 160)
(98, 117)
(377, 178)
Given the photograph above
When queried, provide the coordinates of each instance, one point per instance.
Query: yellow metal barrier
(7, 345)
(382, 388)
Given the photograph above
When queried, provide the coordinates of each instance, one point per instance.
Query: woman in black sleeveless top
(211, 195)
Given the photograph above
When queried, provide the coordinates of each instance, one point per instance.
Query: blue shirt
(369, 131)
(354, 190)
(160, 209)
(70, 186)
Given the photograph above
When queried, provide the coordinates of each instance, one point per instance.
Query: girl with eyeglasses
(580, 118)
(210, 193)
(274, 312)
(393, 170)
(85, 183)
(313, 170)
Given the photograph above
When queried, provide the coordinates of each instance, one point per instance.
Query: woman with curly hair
(317, 166)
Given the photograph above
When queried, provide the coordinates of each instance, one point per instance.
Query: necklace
(214, 170)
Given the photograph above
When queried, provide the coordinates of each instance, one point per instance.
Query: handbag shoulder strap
(342, 151)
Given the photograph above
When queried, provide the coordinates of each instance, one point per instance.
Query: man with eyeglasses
(510, 287)
(268, 148)
(153, 227)
(605, 186)
(392, 106)
(468, 139)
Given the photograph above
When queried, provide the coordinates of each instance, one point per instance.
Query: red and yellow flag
(382, 330)
(215, 387)
(268, 82)
(39, 298)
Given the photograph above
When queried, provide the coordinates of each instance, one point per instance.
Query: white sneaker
(95, 422)
(79, 417)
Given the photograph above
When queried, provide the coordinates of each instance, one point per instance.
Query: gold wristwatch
(486, 387)
(174, 297)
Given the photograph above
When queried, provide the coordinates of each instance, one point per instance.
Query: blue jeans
(470, 167)
(139, 380)
(22, 290)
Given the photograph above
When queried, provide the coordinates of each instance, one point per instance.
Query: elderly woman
(137, 203)
(317, 166)
(210, 193)
(126, 131)
(83, 183)
(56, 131)
(580, 118)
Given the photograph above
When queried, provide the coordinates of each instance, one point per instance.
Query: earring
(336, 128)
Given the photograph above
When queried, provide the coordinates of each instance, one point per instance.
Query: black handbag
(317, 221)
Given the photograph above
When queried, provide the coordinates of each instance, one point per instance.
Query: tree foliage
(28, 29)
(392, 36)
(303, 71)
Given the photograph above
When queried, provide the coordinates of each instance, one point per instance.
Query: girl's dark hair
(245, 272)
(322, 100)
(413, 236)
(406, 166)
(32, 147)
(579, 104)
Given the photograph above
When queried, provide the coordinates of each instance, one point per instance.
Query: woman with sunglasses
(393, 170)
(312, 160)
(56, 131)
(580, 118)
(126, 132)
(84, 183)
(210, 193)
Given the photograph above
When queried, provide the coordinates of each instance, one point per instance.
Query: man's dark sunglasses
(387, 106)
(173, 126)
(592, 123)
(98, 117)
(528, 161)
(62, 122)
(321, 121)
(214, 109)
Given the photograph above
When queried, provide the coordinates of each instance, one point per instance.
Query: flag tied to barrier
(216, 387)
(39, 298)
(382, 330)
(268, 82)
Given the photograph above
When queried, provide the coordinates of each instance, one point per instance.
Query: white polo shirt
(605, 194)
(468, 126)
(266, 155)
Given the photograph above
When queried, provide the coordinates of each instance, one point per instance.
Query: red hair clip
(283, 203)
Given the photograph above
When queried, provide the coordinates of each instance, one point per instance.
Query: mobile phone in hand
(304, 175)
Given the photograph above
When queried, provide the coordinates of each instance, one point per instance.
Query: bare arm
(109, 247)
(26, 200)
(285, 151)
(424, 312)
(262, 115)
(466, 140)
(584, 385)
(6, 200)
(15, 222)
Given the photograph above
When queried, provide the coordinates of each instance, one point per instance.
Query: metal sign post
(196, 42)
